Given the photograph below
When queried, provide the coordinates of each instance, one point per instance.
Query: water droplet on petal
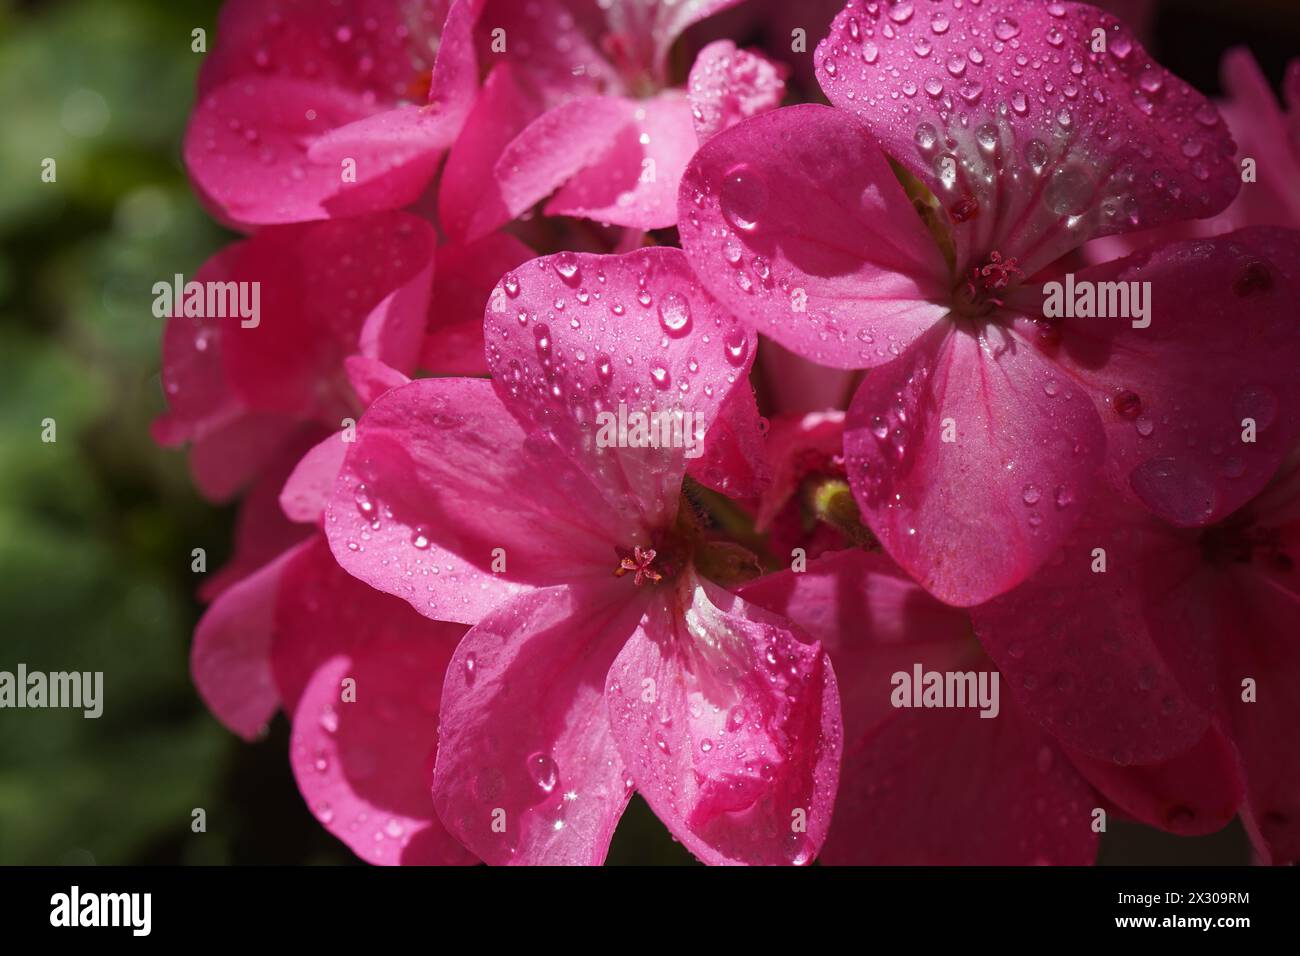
(543, 772)
(675, 314)
(566, 266)
(743, 197)
(1006, 29)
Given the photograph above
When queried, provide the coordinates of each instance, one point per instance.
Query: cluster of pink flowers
(516, 542)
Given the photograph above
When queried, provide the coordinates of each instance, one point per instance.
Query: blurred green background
(96, 529)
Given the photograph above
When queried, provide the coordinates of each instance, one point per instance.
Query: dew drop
(743, 197)
(566, 266)
(1006, 29)
(675, 314)
(543, 772)
(1127, 404)
(736, 346)
(1070, 191)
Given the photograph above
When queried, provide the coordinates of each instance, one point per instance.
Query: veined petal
(729, 722)
(795, 222)
(361, 676)
(1034, 134)
(624, 362)
(444, 501)
(527, 769)
(1201, 403)
(970, 460)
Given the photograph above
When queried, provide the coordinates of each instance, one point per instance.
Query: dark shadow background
(96, 529)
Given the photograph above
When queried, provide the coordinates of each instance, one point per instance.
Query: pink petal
(227, 459)
(1194, 793)
(798, 447)
(525, 743)
(362, 45)
(733, 459)
(673, 17)
(972, 516)
(553, 147)
(246, 150)
(232, 440)
(1278, 505)
(795, 222)
(470, 200)
(954, 788)
(1223, 346)
(647, 338)
(633, 182)
(1006, 795)
(1080, 655)
(363, 753)
(728, 85)
(262, 530)
(441, 485)
(454, 82)
(367, 782)
(199, 398)
(266, 142)
(327, 290)
(462, 283)
(1080, 145)
(795, 386)
(370, 377)
(230, 659)
(730, 725)
(871, 618)
(1263, 133)
(556, 44)
(1260, 129)
(396, 153)
(1257, 613)
(306, 492)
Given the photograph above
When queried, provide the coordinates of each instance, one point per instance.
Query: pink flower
(939, 786)
(807, 454)
(983, 426)
(357, 672)
(462, 282)
(1266, 135)
(728, 85)
(238, 388)
(313, 109)
(602, 658)
(579, 106)
(1140, 639)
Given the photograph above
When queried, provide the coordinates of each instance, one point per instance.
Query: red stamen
(639, 562)
(997, 273)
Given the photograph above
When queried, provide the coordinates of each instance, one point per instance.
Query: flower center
(639, 562)
(980, 292)
(670, 550)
